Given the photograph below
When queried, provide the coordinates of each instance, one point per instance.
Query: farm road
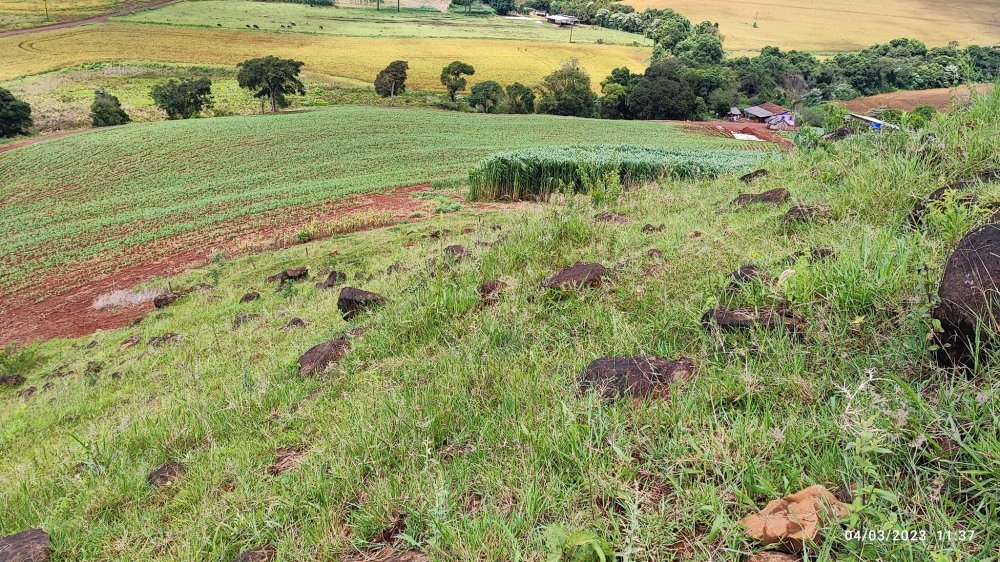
(95, 19)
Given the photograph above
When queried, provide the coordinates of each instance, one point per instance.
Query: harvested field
(940, 98)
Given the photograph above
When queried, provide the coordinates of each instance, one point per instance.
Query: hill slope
(454, 428)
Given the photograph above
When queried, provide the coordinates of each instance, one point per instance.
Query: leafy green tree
(669, 29)
(700, 50)
(453, 77)
(392, 80)
(613, 103)
(567, 91)
(502, 7)
(486, 96)
(15, 115)
(106, 110)
(271, 78)
(520, 98)
(183, 99)
(664, 93)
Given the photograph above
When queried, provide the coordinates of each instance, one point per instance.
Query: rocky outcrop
(795, 520)
(638, 377)
(577, 275)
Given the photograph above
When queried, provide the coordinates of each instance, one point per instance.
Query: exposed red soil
(726, 128)
(60, 304)
(38, 139)
(93, 19)
(909, 100)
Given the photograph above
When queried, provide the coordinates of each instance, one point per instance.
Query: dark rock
(633, 376)
(456, 252)
(352, 301)
(319, 356)
(333, 279)
(747, 178)
(778, 195)
(747, 319)
(578, 275)
(439, 233)
(361, 276)
(746, 274)
(166, 475)
(468, 230)
(249, 297)
(649, 228)
(92, 344)
(394, 269)
(295, 323)
(822, 253)
(490, 291)
(93, 368)
(287, 459)
(168, 337)
(291, 274)
(242, 319)
(921, 208)
(130, 341)
(655, 253)
(806, 213)
(265, 553)
(969, 312)
(11, 380)
(27, 392)
(33, 545)
(165, 300)
(612, 217)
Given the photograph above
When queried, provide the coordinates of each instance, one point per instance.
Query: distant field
(909, 100)
(100, 193)
(16, 14)
(367, 22)
(841, 25)
(358, 58)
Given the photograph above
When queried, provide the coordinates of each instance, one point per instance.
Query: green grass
(367, 22)
(537, 173)
(104, 192)
(464, 423)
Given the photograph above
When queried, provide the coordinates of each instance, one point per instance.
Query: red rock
(796, 519)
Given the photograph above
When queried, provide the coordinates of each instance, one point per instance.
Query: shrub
(392, 80)
(183, 99)
(15, 115)
(520, 99)
(537, 173)
(106, 111)
(567, 92)
(486, 96)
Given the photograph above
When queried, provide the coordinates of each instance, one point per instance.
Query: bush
(486, 96)
(537, 173)
(391, 81)
(567, 92)
(15, 115)
(183, 99)
(520, 99)
(106, 111)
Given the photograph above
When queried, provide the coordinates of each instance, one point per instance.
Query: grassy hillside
(841, 25)
(16, 14)
(456, 429)
(367, 22)
(102, 193)
(358, 58)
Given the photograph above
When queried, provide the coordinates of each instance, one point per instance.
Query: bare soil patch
(909, 100)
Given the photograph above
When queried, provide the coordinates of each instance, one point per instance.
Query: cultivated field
(97, 195)
(358, 58)
(454, 428)
(15, 14)
(367, 22)
(908, 100)
(841, 25)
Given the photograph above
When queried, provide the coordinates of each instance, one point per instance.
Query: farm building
(562, 21)
(734, 114)
(781, 121)
(765, 111)
(757, 113)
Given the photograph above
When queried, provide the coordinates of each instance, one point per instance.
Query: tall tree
(486, 96)
(392, 80)
(664, 93)
(453, 77)
(520, 98)
(183, 99)
(271, 78)
(567, 92)
(15, 115)
(106, 110)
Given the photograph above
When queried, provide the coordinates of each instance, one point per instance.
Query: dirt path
(41, 138)
(60, 305)
(94, 19)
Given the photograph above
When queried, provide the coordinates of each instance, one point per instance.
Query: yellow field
(841, 25)
(31, 13)
(359, 58)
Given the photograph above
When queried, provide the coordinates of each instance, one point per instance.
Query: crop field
(16, 14)
(357, 58)
(367, 22)
(100, 193)
(908, 100)
(840, 25)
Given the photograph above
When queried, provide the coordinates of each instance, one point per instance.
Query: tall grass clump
(537, 173)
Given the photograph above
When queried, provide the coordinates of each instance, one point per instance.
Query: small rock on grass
(265, 553)
(319, 356)
(27, 392)
(249, 297)
(333, 279)
(633, 376)
(796, 519)
(129, 342)
(806, 213)
(353, 301)
(779, 195)
(166, 475)
(612, 217)
(33, 545)
(168, 337)
(649, 228)
(919, 212)
(490, 291)
(290, 274)
(578, 275)
(242, 319)
(654, 253)
(456, 252)
(746, 319)
(165, 300)
(295, 323)
(747, 178)
(287, 459)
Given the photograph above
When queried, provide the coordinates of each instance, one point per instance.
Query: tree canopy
(106, 110)
(391, 81)
(271, 78)
(183, 99)
(567, 91)
(453, 77)
(486, 96)
(15, 115)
